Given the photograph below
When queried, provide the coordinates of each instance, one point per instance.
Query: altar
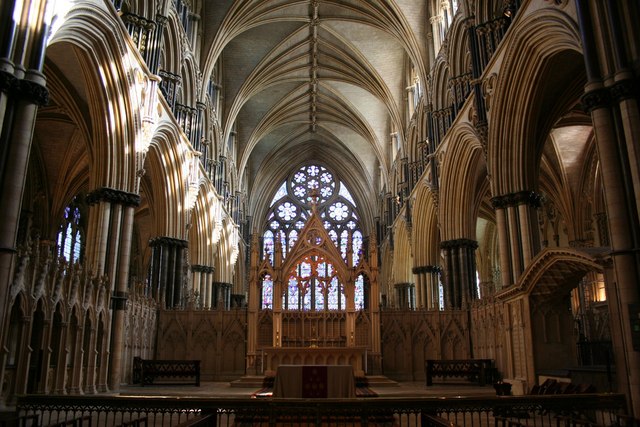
(314, 381)
(355, 357)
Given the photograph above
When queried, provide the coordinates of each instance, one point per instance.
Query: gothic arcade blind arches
(313, 284)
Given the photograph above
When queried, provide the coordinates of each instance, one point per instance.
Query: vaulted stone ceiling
(321, 80)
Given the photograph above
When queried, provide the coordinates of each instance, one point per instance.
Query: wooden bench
(146, 371)
(475, 370)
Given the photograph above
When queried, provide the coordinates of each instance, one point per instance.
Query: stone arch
(425, 227)
(543, 65)
(167, 158)
(402, 253)
(91, 33)
(463, 172)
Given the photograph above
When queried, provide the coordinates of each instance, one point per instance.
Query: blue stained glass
(292, 294)
(345, 193)
(334, 237)
(300, 177)
(267, 292)
(267, 244)
(357, 246)
(305, 270)
(306, 302)
(319, 300)
(300, 192)
(283, 242)
(344, 237)
(338, 211)
(333, 295)
(359, 293)
(287, 218)
(293, 238)
(282, 191)
(287, 211)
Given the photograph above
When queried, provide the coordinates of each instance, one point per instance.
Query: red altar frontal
(352, 356)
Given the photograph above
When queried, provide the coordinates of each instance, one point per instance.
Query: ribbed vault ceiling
(313, 80)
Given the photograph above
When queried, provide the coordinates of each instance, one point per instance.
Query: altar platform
(273, 357)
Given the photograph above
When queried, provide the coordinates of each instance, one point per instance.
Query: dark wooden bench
(479, 371)
(146, 371)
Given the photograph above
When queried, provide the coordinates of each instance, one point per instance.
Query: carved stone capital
(34, 92)
(202, 268)
(434, 269)
(459, 243)
(595, 99)
(168, 241)
(530, 198)
(623, 90)
(8, 82)
(114, 196)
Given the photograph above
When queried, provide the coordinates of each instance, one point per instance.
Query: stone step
(249, 381)
(381, 381)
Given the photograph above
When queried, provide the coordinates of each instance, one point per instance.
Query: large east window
(313, 284)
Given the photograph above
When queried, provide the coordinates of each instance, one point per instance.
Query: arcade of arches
(250, 183)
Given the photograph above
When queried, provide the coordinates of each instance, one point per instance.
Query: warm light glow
(599, 292)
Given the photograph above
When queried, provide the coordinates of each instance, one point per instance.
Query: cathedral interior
(378, 183)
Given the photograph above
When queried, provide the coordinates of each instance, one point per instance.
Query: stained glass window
(267, 292)
(359, 293)
(314, 284)
(69, 239)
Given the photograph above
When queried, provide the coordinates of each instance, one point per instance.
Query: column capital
(459, 243)
(427, 269)
(113, 195)
(623, 90)
(34, 92)
(202, 268)
(526, 197)
(595, 99)
(31, 90)
(168, 241)
(8, 82)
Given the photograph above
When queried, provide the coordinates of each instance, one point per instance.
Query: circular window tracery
(290, 208)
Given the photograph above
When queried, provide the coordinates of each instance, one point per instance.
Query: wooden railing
(600, 409)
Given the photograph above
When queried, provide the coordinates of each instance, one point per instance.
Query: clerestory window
(69, 239)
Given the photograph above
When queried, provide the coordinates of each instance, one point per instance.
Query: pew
(147, 371)
(479, 371)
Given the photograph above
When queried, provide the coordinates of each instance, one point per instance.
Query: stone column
(518, 235)
(76, 356)
(22, 91)
(202, 277)
(460, 278)
(111, 226)
(167, 273)
(611, 97)
(61, 367)
(22, 364)
(89, 379)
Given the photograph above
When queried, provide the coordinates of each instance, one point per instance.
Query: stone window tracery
(313, 285)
